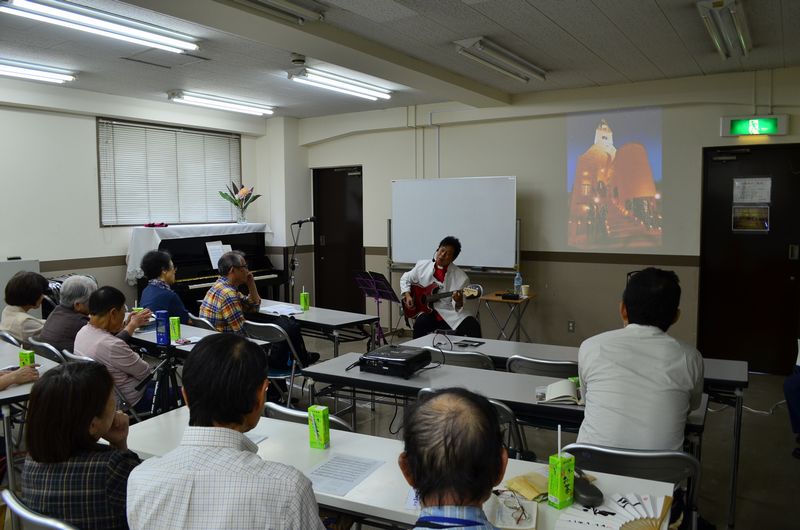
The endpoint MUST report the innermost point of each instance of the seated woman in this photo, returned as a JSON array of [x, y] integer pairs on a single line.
[[158, 295], [24, 291], [97, 341], [72, 313], [67, 474]]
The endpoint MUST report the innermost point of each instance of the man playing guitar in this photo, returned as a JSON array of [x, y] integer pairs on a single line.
[[448, 313]]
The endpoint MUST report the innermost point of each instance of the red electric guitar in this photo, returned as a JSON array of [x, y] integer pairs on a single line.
[[424, 297]]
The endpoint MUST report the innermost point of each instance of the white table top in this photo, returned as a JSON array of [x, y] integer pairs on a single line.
[[325, 318], [9, 355], [383, 493], [518, 391], [718, 372], [149, 336]]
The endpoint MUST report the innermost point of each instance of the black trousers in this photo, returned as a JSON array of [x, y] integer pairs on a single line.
[[427, 323]]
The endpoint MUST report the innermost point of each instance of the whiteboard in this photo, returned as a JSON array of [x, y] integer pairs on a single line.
[[480, 211]]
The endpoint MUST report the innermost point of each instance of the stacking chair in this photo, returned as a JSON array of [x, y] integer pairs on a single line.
[[665, 466], [279, 412], [123, 403], [526, 365], [200, 322], [467, 359], [514, 439], [9, 338], [30, 518], [47, 350], [273, 333]]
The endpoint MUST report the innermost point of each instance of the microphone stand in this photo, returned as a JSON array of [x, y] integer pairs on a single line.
[[293, 260]]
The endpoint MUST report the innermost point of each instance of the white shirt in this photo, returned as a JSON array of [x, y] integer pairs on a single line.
[[454, 279], [639, 385], [215, 479], [19, 323]]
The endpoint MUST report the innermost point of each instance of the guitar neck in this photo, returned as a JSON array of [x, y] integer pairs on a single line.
[[439, 296]]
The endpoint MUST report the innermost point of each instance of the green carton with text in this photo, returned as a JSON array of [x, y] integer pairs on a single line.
[[319, 427]]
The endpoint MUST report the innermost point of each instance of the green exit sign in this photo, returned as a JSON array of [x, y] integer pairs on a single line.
[[754, 125]]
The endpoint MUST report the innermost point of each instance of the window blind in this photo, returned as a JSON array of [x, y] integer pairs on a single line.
[[153, 173]]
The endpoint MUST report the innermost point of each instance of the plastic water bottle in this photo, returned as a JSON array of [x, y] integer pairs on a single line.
[[518, 283]]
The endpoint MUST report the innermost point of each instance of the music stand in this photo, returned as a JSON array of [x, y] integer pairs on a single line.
[[376, 286]]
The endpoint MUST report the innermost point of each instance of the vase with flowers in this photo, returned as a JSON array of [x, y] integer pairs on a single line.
[[241, 198]]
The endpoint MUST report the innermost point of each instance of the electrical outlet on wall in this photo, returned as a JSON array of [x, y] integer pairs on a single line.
[[570, 326]]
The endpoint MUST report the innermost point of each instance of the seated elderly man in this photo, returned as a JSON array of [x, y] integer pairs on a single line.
[[72, 313], [453, 457], [215, 478]]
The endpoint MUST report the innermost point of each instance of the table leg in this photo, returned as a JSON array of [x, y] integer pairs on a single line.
[[336, 343], [737, 433], [12, 481], [496, 321], [372, 336], [520, 309], [353, 412]]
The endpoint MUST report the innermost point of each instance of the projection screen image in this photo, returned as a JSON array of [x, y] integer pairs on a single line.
[[614, 180]]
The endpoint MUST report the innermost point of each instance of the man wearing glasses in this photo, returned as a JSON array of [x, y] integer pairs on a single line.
[[639, 384], [224, 306]]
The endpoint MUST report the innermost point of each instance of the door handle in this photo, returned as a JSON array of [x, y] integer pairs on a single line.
[[321, 240], [794, 252]]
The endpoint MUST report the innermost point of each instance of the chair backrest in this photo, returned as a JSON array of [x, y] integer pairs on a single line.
[[271, 333], [504, 415], [665, 466], [69, 356], [47, 350], [30, 518], [527, 365], [467, 359], [9, 338], [280, 412], [200, 322]]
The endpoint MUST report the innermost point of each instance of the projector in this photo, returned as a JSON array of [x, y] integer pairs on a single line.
[[398, 361]]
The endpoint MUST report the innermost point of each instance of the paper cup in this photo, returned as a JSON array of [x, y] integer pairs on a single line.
[[525, 290]]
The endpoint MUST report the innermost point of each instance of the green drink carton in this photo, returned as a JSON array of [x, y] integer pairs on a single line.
[[26, 357], [174, 328], [319, 428], [305, 301], [561, 479]]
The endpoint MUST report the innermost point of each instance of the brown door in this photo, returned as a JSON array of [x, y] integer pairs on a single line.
[[338, 238], [749, 268]]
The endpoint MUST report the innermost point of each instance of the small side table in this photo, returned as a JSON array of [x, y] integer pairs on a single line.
[[516, 308]]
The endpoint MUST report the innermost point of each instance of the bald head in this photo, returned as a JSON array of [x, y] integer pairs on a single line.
[[453, 448]]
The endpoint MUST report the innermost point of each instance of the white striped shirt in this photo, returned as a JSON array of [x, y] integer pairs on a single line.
[[215, 479]]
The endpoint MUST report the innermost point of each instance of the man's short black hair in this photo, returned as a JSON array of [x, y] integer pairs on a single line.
[[154, 263], [61, 408], [25, 288], [453, 446], [652, 297], [451, 241], [221, 377], [229, 260], [105, 299]]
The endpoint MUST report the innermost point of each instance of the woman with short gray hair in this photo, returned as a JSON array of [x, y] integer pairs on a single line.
[[70, 315]]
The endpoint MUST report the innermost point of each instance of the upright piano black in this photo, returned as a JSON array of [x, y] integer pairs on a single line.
[[195, 274]]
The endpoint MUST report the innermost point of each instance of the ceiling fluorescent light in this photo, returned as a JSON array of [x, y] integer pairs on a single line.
[[284, 10], [35, 72], [337, 83], [726, 24], [494, 56], [98, 22], [219, 103]]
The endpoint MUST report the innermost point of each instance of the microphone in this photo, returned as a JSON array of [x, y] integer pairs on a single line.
[[311, 219]]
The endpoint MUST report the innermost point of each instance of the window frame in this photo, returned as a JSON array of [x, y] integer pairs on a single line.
[[101, 121]]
